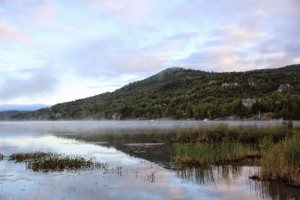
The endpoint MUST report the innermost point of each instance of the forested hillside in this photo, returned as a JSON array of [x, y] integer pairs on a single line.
[[179, 93], [7, 115]]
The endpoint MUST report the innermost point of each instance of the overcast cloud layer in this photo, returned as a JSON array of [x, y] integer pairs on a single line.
[[60, 50]]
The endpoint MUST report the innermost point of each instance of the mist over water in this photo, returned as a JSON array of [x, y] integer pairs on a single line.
[[74, 127]]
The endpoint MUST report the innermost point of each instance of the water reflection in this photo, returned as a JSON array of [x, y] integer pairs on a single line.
[[139, 166], [229, 176], [274, 190], [212, 176]]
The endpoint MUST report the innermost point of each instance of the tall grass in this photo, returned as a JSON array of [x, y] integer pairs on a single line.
[[266, 143], [224, 144], [279, 148], [233, 134], [282, 161], [204, 154]]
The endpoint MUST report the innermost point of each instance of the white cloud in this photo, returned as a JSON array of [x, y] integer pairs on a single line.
[[93, 45], [29, 84], [9, 34]]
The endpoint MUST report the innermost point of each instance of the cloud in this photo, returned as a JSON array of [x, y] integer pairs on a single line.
[[257, 34], [112, 57], [30, 15], [131, 11], [9, 34], [28, 83], [211, 59], [104, 41], [144, 61], [234, 36]]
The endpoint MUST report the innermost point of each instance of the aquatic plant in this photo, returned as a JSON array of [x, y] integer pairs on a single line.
[[203, 154], [278, 147], [25, 157], [1, 156], [282, 162], [233, 134], [41, 161], [266, 143]]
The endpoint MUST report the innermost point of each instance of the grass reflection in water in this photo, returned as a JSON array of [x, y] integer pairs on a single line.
[[278, 148]]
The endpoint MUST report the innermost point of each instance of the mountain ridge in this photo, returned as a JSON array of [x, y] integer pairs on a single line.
[[180, 93]]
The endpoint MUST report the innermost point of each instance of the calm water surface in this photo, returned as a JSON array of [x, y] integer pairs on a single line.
[[139, 164]]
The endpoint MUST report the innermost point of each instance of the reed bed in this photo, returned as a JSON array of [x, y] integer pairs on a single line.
[[224, 144], [203, 154], [277, 147], [232, 134], [282, 162], [45, 162]]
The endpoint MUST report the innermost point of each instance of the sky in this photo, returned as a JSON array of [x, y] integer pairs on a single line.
[[54, 51]]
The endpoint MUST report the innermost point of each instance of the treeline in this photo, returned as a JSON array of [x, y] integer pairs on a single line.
[[190, 94], [7, 115]]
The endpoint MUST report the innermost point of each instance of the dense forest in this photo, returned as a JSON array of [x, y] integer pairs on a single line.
[[7, 115], [178, 93]]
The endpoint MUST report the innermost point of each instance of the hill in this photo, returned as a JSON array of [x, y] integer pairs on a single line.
[[7, 115], [179, 93]]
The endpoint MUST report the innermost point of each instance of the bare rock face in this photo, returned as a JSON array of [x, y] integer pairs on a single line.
[[284, 87]]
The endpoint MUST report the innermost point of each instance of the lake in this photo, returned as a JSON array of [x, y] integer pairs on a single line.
[[138, 159]]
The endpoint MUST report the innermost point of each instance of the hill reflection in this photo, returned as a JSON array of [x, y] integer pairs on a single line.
[[155, 146]]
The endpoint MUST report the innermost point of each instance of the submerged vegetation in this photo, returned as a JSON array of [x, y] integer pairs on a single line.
[[45, 162], [278, 149]]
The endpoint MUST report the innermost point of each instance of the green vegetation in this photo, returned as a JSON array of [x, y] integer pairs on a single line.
[[278, 149], [210, 154], [223, 133], [7, 115], [40, 161], [282, 162], [24, 157], [178, 93]]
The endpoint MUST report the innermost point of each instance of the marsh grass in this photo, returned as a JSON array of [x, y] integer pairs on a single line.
[[266, 143], [282, 162], [203, 154], [1, 156], [232, 134], [224, 144], [278, 148], [26, 157], [45, 162]]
